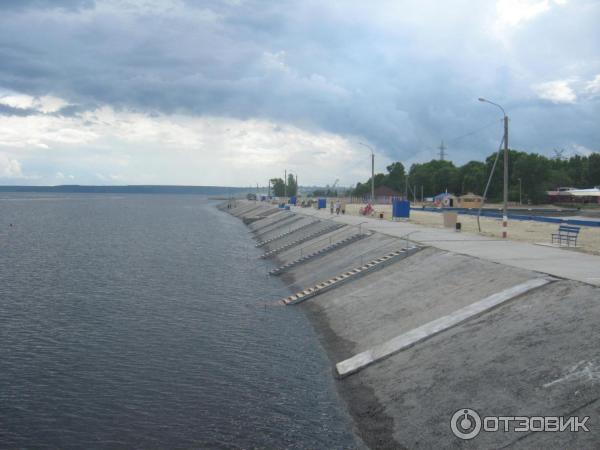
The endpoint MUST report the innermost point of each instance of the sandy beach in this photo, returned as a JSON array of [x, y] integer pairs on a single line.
[[518, 230]]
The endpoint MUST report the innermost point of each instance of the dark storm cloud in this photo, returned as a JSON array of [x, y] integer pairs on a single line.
[[404, 76]]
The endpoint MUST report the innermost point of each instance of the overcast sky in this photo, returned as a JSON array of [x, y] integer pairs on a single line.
[[234, 92]]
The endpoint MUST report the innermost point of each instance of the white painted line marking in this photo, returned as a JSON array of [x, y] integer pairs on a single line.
[[410, 338]]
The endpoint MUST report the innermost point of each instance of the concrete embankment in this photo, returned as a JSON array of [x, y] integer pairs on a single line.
[[417, 337]]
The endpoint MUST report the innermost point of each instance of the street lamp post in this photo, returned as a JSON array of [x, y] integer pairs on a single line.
[[505, 209], [372, 171]]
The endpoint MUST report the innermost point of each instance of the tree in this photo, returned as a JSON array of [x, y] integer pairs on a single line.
[[278, 187], [537, 174], [435, 176], [292, 188], [472, 177], [593, 176], [363, 189], [576, 169], [395, 178]]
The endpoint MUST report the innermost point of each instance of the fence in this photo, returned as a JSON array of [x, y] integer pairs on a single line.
[[379, 200]]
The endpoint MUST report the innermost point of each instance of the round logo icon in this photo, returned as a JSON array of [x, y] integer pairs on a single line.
[[465, 423]]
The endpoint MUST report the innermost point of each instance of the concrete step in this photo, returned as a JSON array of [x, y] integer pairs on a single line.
[[259, 215], [288, 221], [280, 219], [322, 252], [308, 237], [371, 266], [246, 210], [287, 233]]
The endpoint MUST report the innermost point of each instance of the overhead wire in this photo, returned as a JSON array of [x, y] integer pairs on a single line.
[[471, 133]]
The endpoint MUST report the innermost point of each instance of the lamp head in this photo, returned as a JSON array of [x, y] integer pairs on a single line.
[[481, 99], [368, 146]]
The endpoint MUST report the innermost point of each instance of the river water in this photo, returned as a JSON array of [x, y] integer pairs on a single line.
[[146, 321]]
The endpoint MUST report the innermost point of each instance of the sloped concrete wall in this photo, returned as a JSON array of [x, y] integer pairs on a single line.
[[269, 220], [315, 244], [537, 354], [341, 260], [410, 293], [305, 231], [280, 228]]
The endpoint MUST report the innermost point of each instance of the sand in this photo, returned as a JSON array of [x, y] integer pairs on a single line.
[[518, 230]]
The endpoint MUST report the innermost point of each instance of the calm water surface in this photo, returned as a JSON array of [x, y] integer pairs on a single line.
[[139, 321]]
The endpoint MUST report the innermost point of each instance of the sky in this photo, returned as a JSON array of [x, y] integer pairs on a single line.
[[234, 92]]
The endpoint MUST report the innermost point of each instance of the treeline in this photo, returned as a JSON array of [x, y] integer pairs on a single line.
[[535, 173], [279, 188]]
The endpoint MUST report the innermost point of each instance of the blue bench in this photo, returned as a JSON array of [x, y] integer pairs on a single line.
[[566, 233]]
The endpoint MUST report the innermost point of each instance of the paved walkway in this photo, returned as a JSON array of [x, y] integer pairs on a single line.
[[554, 261]]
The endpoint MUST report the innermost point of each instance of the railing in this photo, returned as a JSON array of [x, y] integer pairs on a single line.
[[379, 200]]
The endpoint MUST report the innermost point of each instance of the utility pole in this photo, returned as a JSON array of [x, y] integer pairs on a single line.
[[269, 187], [285, 183], [372, 177], [505, 212], [505, 196], [421, 193], [296, 183], [442, 147], [406, 186], [372, 171]]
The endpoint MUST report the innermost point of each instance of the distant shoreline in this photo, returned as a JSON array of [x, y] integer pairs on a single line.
[[130, 189]]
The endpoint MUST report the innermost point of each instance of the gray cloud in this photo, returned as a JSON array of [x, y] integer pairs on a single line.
[[402, 76], [46, 4], [6, 110]]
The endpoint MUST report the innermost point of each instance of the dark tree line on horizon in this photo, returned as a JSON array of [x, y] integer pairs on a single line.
[[538, 174]]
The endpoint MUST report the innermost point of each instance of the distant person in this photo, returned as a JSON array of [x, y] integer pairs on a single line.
[[337, 208], [331, 207]]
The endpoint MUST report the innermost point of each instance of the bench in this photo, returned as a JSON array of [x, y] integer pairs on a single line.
[[566, 233]]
